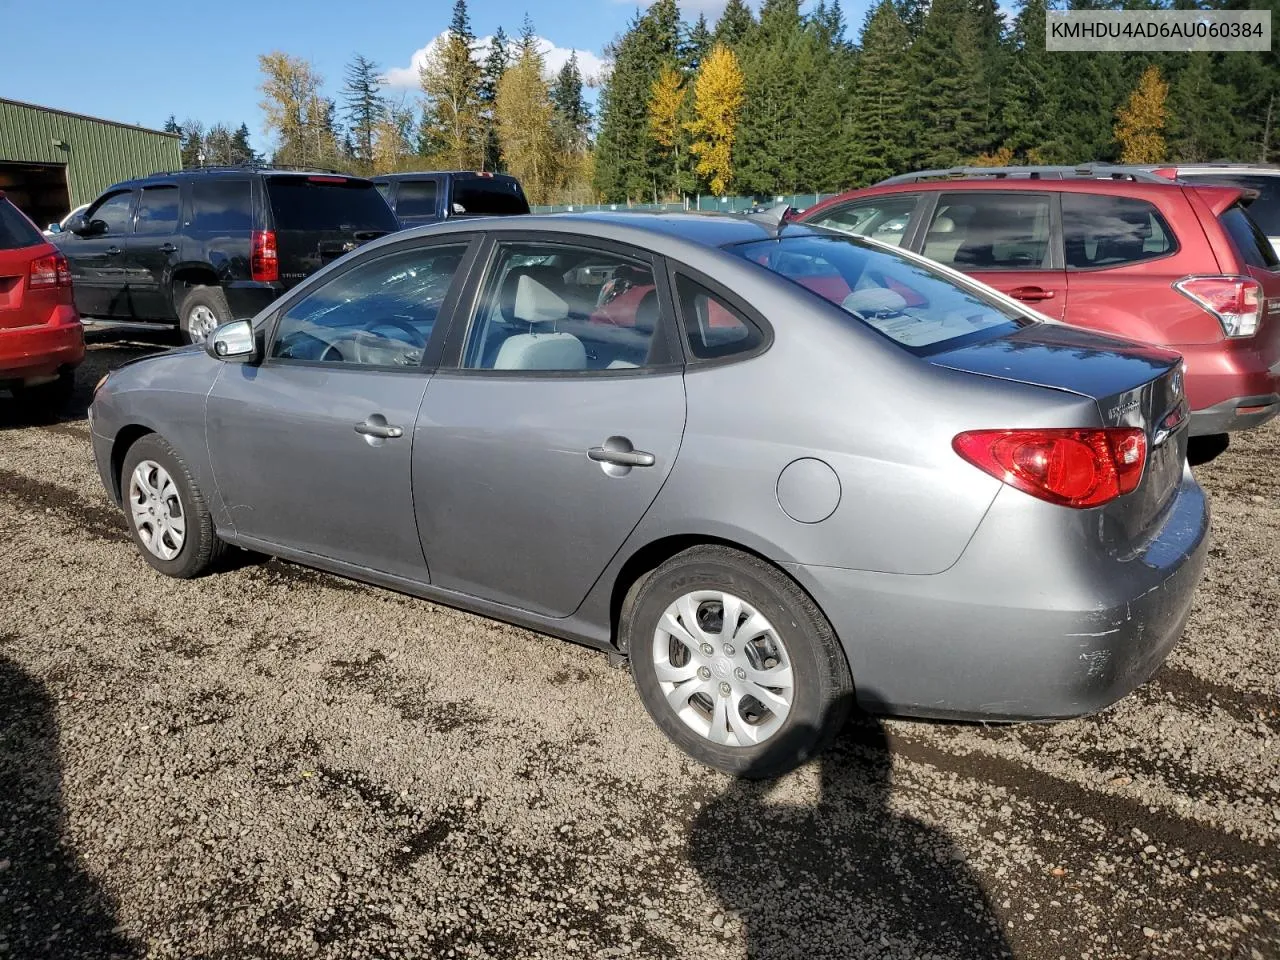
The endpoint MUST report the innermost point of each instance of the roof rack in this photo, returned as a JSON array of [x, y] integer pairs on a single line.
[[1083, 172], [240, 167]]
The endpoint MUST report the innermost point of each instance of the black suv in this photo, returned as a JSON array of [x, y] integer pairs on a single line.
[[208, 245], [419, 198]]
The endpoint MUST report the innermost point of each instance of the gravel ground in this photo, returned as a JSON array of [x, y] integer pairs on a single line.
[[273, 762]]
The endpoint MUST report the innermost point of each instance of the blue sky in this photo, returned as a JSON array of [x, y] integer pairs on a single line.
[[138, 63]]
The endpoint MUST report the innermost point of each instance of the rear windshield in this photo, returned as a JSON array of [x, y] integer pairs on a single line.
[[15, 229], [488, 197], [1265, 211], [314, 203], [1249, 239], [905, 301]]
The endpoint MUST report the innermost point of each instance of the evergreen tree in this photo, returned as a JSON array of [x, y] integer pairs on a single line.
[[451, 82], [949, 75], [171, 125], [912, 13], [191, 145], [572, 116], [363, 105], [735, 24], [495, 65], [885, 123], [460, 24], [241, 148], [1034, 92], [526, 122], [695, 46], [1203, 113]]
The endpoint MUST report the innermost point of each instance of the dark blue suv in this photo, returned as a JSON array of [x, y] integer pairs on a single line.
[[427, 197]]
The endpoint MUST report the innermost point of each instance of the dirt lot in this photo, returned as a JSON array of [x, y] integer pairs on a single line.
[[277, 763]]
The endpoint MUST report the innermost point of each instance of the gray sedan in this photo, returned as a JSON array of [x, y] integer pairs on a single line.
[[780, 469]]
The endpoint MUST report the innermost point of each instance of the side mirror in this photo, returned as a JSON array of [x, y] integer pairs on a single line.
[[233, 342], [53, 228]]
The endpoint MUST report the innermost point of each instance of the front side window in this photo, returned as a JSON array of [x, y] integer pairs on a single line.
[[557, 307], [417, 198], [157, 212], [114, 212], [880, 218], [905, 301], [222, 206], [380, 313], [1111, 231], [972, 232]]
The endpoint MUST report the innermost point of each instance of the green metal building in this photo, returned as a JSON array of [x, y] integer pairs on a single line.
[[52, 161]]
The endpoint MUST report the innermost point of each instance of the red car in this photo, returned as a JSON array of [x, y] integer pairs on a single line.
[[1126, 252], [41, 339]]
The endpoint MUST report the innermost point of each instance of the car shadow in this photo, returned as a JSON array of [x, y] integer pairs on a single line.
[[50, 907], [850, 876]]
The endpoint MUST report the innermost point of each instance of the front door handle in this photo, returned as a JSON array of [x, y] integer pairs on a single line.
[[378, 428], [112, 251], [168, 248], [622, 458], [1031, 294]]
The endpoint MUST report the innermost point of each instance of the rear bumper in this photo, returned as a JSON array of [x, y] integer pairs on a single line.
[[248, 298], [1238, 413], [1222, 377], [37, 352], [1009, 635]]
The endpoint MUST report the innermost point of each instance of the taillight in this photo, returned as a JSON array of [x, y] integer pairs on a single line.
[[1235, 301], [50, 271], [264, 264], [1077, 468], [327, 179]]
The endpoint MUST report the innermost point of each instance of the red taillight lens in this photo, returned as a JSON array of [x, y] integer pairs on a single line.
[[1072, 468], [44, 271], [327, 179], [64, 270], [1235, 301], [264, 264]]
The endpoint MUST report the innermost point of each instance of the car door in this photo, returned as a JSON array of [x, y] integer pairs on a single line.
[[96, 259], [151, 250], [537, 454], [311, 448], [1005, 240]]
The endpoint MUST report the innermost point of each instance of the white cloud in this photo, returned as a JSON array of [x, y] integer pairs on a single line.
[[591, 65]]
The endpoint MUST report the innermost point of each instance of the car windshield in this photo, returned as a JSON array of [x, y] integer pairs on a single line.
[[902, 299], [328, 203]]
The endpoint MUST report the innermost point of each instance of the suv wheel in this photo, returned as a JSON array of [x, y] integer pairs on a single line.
[[203, 309], [735, 663]]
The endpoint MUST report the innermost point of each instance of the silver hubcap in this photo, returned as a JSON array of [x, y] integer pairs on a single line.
[[200, 323], [157, 511], [723, 668]]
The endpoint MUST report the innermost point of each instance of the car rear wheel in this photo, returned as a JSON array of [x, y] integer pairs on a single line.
[[203, 309], [165, 510], [735, 663]]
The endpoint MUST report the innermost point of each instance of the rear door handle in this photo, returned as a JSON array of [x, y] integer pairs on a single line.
[[378, 428], [168, 248], [622, 458], [1031, 294], [112, 251]]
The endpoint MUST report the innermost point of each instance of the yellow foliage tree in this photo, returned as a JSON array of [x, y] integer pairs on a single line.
[[718, 97], [295, 112], [524, 115], [1000, 158], [1140, 122], [450, 80], [667, 97]]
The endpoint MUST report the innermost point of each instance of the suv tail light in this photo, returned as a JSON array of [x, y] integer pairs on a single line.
[[264, 264], [1072, 468], [1235, 301], [49, 271]]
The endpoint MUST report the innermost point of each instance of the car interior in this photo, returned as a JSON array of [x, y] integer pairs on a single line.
[[990, 236]]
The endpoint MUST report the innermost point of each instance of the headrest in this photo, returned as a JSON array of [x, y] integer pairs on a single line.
[[874, 300], [532, 295], [943, 225]]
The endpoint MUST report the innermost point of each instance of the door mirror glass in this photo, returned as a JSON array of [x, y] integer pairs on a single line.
[[53, 228], [233, 342]]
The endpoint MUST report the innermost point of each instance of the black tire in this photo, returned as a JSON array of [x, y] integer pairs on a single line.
[[49, 400], [822, 694], [201, 546], [198, 299]]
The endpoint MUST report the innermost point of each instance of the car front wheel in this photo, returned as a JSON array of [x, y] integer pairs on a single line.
[[735, 662], [166, 512]]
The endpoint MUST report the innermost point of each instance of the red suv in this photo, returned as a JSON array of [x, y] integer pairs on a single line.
[[41, 339], [1127, 252]]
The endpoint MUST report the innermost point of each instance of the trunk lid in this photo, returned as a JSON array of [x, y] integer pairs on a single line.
[[1133, 385], [318, 218]]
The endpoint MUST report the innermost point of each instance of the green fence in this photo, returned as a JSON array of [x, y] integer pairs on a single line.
[[701, 204]]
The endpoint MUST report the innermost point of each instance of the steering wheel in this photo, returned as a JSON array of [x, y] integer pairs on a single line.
[[359, 340]]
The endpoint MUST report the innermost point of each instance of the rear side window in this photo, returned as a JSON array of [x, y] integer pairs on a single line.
[[881, 218], [157, 212], [1250, 242], [328, 204], [417, 198], [990, 231], [221, 206], [905, 301], [485, 196], [1111, 231], [713, 328], [16, 230]]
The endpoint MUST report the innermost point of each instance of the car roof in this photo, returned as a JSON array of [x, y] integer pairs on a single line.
[[171, 176], [409, 175]]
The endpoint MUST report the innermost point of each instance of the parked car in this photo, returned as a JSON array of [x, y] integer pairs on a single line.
[[65, 222], [1263, 178], [1116, 250], [800, 468], [41, 340], [203, 246], [428, 197]]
